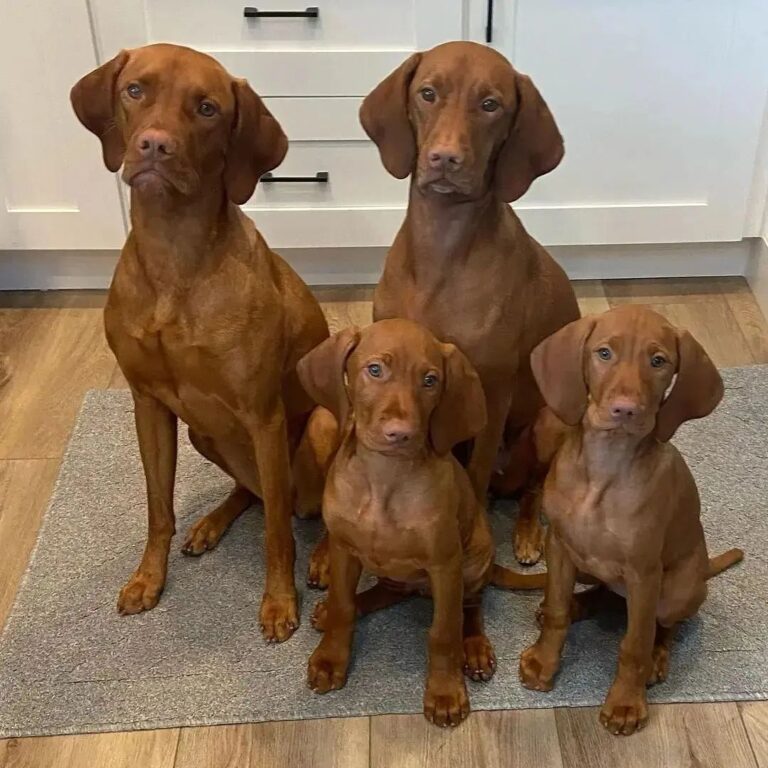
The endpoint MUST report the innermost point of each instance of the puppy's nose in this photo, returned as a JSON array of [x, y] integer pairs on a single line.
[[446, 159], [624, 409], [397, 432], [155, 144]]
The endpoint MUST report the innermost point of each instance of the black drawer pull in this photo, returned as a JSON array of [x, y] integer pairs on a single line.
[[313, 12], [489, 23], [321, 177]]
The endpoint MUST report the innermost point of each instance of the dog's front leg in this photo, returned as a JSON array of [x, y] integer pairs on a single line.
[[445, 699], [539, 663], [488, 442], [626, 710], [279, 606], [156, 430]]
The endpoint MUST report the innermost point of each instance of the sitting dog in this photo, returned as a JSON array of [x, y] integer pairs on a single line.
[[399, 504], [622, 504], [474, 134], [206, 322]]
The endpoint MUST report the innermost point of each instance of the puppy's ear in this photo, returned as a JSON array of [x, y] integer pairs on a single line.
[[461, 413], [93, 99], [257, 144], [384, 117], [558, 367], [321, 372], [696, 392], [533, 146]]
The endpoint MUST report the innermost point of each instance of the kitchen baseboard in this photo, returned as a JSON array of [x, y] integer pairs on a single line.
[[47, 270]]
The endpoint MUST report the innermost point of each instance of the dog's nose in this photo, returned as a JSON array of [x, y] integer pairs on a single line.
[[446, 159], [397, 432], [153, 143], [623, 409]]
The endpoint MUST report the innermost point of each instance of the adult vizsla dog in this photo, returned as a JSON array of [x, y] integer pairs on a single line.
[[206, 322], [473, 134], [399, 504], [622, 504]]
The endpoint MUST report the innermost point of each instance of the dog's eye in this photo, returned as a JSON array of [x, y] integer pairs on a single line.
[[490, 105], [657, 361], [207, 109], [604, 353], [134, 91], [374, 369], [428, 94], [430, 380]]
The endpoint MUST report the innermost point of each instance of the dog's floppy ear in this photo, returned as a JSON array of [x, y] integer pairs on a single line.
[[93, 99], [696, 391], [321, 372], [257, 144], [384, 117], [558, 367], [533, 146], [461, 413]]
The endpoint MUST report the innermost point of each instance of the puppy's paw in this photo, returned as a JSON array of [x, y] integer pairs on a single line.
[[319, 617], [141, 593], [660, 665], [538, 668], [327, 669], [625, 711], [279, 617], [529, 542], [204, 535], [319, 571], [479, 658], [445, 700]]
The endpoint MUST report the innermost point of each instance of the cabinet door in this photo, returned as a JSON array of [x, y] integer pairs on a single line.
[[54, 191], [660, 103]]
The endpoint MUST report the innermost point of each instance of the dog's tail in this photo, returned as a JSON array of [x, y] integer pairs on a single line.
[[504, 578], [723, 562]]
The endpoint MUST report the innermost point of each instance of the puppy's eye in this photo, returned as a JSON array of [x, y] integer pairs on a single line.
[[207, 109], [657, 361], [604, 353], [428, 94], [374, 369], [490, 105], [134, 91], [430, 380]]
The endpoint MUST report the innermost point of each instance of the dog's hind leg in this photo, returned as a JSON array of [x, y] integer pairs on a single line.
[[479, 657]]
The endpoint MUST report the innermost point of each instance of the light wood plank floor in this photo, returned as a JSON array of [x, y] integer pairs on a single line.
[[54, 348]]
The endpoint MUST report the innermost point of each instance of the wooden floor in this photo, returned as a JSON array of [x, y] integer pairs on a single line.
[[54, 347]]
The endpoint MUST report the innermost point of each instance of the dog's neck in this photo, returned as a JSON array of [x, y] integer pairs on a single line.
[[174, 235], [441, 230]]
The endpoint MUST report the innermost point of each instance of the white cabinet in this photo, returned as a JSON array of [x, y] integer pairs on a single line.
[[660, 103], [313, 71], [54, 191]]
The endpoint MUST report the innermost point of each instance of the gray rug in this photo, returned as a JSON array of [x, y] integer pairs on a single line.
[[69, 663]]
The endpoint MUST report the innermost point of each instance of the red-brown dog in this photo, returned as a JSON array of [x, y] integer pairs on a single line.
[[398, 503], [623, 507], [206, 322]]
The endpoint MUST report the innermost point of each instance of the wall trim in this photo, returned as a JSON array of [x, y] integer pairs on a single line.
[[46, 270], [757, 272]]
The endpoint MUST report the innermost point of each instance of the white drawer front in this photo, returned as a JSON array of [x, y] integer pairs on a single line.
[[222, 24]]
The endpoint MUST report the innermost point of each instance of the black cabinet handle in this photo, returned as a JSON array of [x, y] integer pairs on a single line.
[[489, 23], [313, 12], [321, 177]]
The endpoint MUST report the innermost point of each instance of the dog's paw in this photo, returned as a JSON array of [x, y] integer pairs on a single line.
[[319, 618], [529, 542], [203, 536], [279, 617], [479, 658], [319, 571], [327, 670], [660, 665], [446, 702], [141, 593], [538, 669], [624, 711]]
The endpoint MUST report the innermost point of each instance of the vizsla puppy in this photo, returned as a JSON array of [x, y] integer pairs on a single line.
[[206, 322], [473, 134], [622, 505], [398, 503]]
